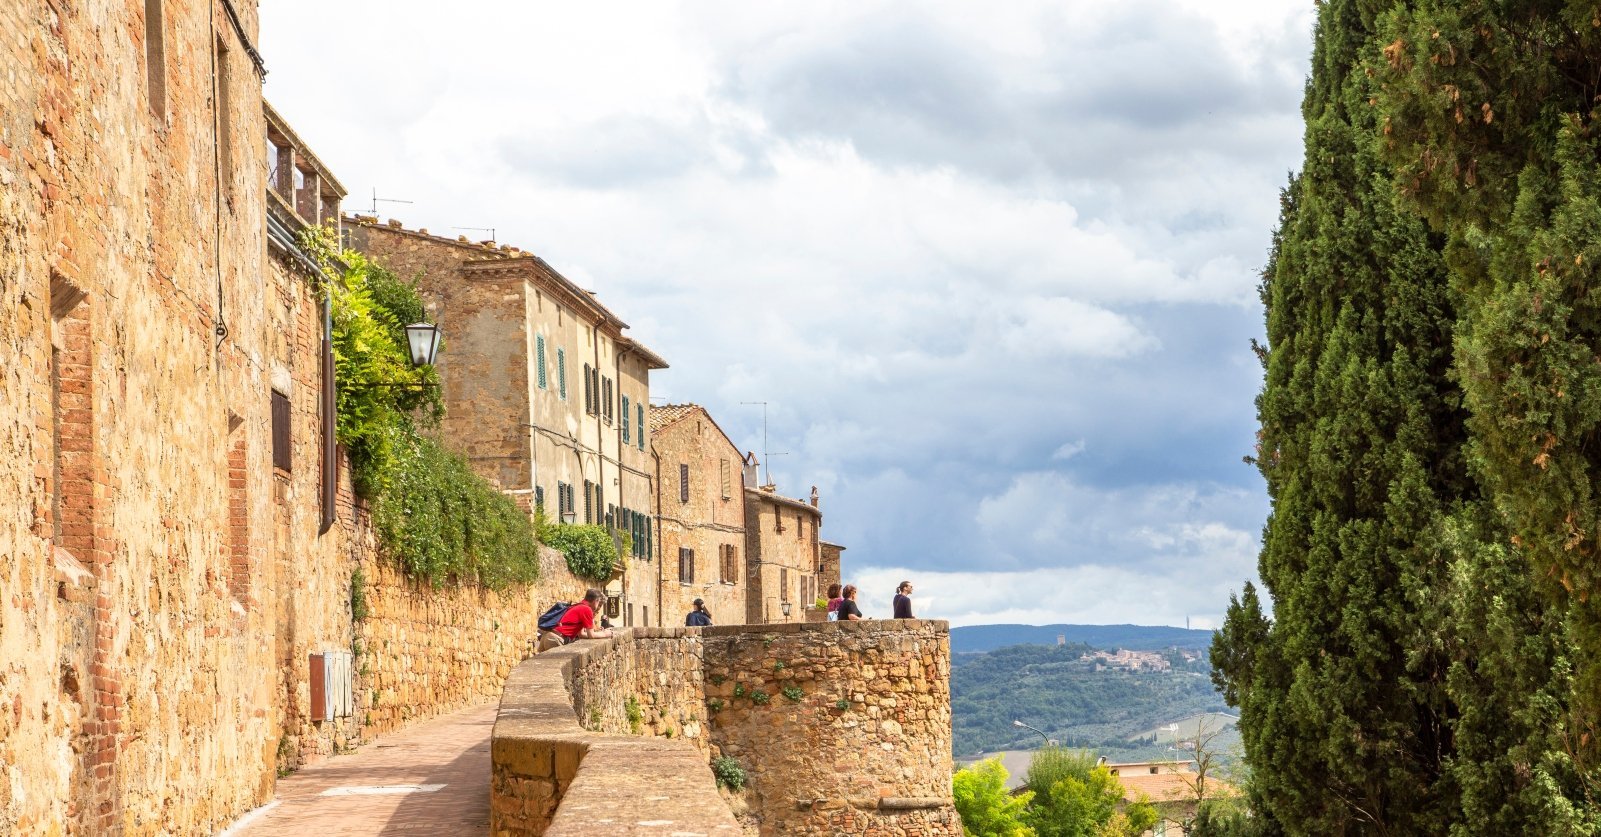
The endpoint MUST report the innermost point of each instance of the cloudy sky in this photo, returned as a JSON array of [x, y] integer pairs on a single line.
[[992, 266]]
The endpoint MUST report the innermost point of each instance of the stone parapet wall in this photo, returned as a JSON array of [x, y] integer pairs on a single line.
[[426, 650], [842, 727], [860, 743], [550, 775]]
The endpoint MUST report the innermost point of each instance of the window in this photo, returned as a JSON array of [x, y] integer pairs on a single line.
[[561, 372], [539, 497], [589, 500], [726, 473], [281, 456], [686, 566], [156, 58], [639, 411], [729, 564], [800, 527], [625, 419], [539, 358], [589, 391], [606, 394], [683, 483], [564, 499], [224, 81], [783, 584]]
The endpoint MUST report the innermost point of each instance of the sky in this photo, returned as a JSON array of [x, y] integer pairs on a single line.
[[993, 267]]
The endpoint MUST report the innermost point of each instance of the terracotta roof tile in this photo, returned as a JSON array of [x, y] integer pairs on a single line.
[[661, 416]]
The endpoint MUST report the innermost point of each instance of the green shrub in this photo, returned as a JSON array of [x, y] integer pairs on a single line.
[[794, 693], [591, 552], [728, 772], [760, 697], [636, 715]]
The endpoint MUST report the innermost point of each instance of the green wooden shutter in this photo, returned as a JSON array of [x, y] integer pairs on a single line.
[[561, 372], [539, 357], [625, 419], [640, 407]]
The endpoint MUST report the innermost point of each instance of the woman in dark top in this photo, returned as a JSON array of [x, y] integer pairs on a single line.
[[847, 607], [700, 617]]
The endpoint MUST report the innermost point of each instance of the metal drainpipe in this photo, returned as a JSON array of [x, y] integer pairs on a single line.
[[661, 581]]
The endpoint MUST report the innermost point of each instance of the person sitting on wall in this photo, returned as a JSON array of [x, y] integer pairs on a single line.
[[903, 601], [577, 623], [834, 598], [700, 617], [848, 611]]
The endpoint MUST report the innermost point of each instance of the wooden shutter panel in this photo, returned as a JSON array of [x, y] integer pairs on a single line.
[[282, 451], [539, 357]]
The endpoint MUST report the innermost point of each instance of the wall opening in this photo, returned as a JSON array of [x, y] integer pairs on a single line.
[[156, 59]]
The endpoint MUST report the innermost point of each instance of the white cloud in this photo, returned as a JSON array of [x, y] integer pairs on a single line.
[[938, 238]]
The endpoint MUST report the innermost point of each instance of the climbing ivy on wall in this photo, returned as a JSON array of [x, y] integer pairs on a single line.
[[432, 514]]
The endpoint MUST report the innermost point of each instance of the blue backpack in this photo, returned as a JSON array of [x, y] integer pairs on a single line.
[[552, 617]]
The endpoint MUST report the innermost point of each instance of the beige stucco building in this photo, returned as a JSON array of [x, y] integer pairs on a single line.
[[544, 392], [784, 554], [701, 515]]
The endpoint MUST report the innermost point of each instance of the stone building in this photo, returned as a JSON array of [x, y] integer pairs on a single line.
[[701, 515], [544, 392], [783, 554], [141, 595], [829, 568]]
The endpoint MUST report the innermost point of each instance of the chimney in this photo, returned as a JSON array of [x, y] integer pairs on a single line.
[[814, 496]]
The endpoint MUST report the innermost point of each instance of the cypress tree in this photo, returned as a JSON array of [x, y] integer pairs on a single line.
[[1342, 694], [1491, 117]]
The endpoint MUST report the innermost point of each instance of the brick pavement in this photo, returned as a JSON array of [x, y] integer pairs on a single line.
[[452, 750]]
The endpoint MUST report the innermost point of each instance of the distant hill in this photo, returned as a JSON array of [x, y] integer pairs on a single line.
[[1065, 692], [977, 638]]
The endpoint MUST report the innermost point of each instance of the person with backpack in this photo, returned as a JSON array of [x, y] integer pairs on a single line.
[[700, 617], [576, 622]]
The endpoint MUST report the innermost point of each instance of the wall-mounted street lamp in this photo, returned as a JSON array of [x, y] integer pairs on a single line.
[[785, 609], [1049, 741], [423, 340]]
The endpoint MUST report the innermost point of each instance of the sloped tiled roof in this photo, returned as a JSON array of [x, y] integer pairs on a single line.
[[668, 413]]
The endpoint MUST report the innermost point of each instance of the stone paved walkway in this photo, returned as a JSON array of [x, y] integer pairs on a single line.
[[451, 750]]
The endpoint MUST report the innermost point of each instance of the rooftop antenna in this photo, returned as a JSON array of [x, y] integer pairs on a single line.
[[767, 471], [377, 200], [490, 230]]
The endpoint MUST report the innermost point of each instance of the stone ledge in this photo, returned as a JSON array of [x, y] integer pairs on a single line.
[[551, 776]]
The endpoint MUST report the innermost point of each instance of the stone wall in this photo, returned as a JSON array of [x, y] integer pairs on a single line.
[[564, 761], [135, 675], [843, 728]]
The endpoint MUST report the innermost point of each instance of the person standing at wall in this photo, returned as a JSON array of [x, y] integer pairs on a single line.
[[848, 611], [577, 623], [834, 598], [903, 601], [700, 617]]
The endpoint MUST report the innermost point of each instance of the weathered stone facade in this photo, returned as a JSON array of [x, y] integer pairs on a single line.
[[701, 515], [179, 539], [784, 555], [544, 392], [842, 729], [135, 655]]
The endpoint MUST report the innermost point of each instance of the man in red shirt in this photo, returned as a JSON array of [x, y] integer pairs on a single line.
[[577, 623]]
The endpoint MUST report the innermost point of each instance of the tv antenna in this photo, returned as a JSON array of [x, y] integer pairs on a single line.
[[377, 200], [767, 471], [490, 230]]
